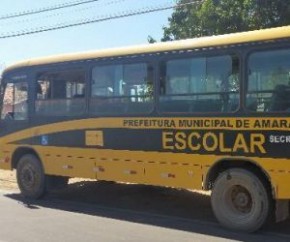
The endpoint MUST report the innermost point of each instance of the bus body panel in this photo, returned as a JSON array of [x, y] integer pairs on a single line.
[[178, 157]]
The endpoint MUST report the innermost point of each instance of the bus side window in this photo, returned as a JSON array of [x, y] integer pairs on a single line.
[[15, 100], [60, 93], [268, 81], [203, 84], [121, 89]]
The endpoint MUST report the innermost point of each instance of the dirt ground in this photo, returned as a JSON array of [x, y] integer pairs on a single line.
[[8, 180]]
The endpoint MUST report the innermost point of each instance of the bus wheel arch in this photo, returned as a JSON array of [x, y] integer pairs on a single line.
[[225, 164], [21, 151], [51, 182], [30, 173]]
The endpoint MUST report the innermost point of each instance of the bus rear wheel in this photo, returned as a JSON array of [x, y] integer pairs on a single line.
[[30, 177], [240, 200]]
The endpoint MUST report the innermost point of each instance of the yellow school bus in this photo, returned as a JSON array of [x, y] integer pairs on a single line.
[[210, 113]]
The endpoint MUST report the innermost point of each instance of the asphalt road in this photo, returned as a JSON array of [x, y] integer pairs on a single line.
[[55, 219]]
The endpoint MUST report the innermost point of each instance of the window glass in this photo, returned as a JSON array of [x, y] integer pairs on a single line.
[[268, 81], [15, 101], [60, 93], [207, 84], [119, 89]]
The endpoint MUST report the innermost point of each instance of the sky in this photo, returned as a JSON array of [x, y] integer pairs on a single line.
[[108, 34]]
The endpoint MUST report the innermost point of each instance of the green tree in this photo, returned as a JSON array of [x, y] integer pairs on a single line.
[[212, 17]]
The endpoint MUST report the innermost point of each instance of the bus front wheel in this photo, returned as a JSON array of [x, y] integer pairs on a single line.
[[240, 200], [30, 177]]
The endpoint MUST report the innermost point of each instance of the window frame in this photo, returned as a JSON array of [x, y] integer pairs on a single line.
[[209, 52], [281, 45], [149, 60], [59, 67], [21, 77]]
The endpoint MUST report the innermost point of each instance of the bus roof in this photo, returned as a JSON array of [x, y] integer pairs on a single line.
[[202, 42]]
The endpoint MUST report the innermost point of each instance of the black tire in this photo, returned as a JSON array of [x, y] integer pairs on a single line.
[[31, 177], [240, 200]]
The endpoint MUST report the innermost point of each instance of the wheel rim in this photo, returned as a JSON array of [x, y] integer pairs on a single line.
[[239, 200], [28, 177]]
